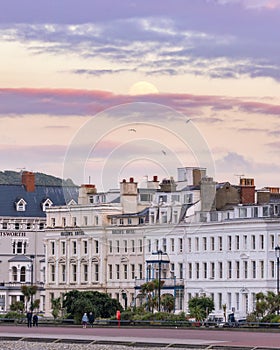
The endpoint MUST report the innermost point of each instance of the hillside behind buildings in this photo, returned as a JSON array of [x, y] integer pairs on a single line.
[[9, 177]]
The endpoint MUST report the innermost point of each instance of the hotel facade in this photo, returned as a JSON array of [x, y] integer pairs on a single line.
[[218, 240]]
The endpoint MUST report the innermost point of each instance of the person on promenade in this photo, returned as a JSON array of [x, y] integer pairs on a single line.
[[85, 320], [35, 320], [29, 318], [91, 318]]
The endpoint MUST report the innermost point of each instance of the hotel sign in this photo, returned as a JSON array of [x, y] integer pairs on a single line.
[[12, 234], [71, 233]]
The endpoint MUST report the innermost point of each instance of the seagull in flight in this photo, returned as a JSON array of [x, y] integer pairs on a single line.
[[132, 129], [163, 152]]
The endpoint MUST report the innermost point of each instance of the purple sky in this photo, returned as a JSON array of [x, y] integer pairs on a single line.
[[216, 62]]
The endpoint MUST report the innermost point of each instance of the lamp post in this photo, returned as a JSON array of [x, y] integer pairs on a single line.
[[277, 254], [31, 279], [159, 257]]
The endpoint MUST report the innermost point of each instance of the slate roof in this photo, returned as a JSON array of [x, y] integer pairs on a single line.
[[19, 258], [10, 194]]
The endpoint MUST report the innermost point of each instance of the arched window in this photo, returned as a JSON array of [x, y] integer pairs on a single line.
[[22, 274], [14, 273]]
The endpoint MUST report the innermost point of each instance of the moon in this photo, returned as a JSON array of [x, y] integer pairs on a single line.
[[143, 88]]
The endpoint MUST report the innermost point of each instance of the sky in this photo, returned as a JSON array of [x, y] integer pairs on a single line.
[[98, 91]]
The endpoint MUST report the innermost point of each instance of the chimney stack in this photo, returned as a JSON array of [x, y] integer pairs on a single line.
[[28, 180]]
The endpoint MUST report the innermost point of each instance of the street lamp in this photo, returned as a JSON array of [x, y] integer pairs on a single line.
[[31, 280], [277, 254], [159, 257]]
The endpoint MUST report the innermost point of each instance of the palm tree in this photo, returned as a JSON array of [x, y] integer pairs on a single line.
[[28, 292], [168, 302]]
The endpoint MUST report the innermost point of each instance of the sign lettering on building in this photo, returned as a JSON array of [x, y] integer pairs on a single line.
[[12, 234], [122, 232], [72, 233]]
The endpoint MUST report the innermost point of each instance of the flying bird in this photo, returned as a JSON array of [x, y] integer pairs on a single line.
[[132, 129], [163, 152]]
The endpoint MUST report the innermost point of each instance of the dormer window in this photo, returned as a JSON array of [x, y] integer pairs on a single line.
[[47, 204], [21, 205]]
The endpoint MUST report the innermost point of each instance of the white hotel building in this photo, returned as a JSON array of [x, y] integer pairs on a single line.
[[219, 240]]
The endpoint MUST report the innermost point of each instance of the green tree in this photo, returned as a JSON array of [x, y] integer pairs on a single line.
[[56, 307], [28, 292], [77, 303], [168, 302], [17, 306], [200, 306]]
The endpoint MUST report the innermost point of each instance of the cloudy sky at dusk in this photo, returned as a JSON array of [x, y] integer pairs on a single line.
[[97, 91]]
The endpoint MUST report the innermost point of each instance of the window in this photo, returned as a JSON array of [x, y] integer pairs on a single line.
[[204, 242], [110, 247], [63, 273], [181, 274], [220, 270], [172, 245], [140, 245], [96, 246], [85, 220], [245, 269], [129, 221], [229, 242], [53, 222], [47, 204], [272, 269], [220, 301], [229, 274], [242, 212], [117, 271], [190, 270], [74, 221], [85, 247], [189, 245], [118, 246], [16, 226], [20, 205], [220, 243], [197, 270], [261, 269], [125, 246], [254, 273], [74, 273], [245, 242], [5, 225], [74, 247], [261, 242], [110, 269], [237, 264], [14, 274], [205, 270], [164, 245], [237, 242], [63, 222], [52, 271], [196, 244], [253, 242], [163, 217], [132, 267], [212, 243], [96, 219], [96, 272], [180, 245], [41, 226], [149, 246], [85, 272], [265, 211], [212, 270], [133, 246], [125, 271], [22, 274], [63, 247], [52, 248], [140, 267], [272, 241]]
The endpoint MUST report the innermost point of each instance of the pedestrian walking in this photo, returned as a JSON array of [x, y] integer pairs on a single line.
[[35, 320], [29, 318], [85, 320], [91, 319]]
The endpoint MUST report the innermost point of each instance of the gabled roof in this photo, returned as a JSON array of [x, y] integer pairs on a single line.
[[57, 194]]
